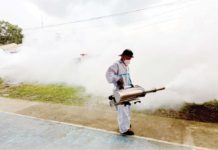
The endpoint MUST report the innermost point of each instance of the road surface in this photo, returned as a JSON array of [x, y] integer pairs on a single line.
[[19, 132]]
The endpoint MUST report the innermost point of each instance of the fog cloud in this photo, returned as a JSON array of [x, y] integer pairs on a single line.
[[174, 45]]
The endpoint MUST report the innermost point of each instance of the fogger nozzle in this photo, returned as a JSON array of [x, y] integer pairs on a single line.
[[155, 90]]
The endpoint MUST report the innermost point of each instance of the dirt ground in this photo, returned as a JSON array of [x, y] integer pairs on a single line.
[[104, 117]]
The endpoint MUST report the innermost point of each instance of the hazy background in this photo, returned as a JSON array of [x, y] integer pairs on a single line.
[[174, 43]]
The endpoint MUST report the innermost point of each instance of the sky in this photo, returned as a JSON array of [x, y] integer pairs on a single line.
[[174, 43]]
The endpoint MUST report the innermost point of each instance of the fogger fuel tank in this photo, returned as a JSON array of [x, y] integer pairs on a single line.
[[129, 94]]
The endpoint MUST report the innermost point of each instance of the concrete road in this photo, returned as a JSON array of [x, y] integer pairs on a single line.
[[18, 132]]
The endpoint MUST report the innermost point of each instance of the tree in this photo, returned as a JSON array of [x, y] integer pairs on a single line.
[[10, 33]]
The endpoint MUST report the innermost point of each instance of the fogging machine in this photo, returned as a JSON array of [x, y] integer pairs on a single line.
[[123, 96]]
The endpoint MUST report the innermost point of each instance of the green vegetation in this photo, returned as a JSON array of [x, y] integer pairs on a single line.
[[1, 81], [46, 93], [10, 33]]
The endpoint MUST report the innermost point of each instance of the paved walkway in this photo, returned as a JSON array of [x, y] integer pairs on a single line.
[[20, 132]]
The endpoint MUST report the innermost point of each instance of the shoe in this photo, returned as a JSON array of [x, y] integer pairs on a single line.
[[128, 132]]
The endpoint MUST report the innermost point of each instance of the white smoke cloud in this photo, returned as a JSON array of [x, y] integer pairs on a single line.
[[197, 83], [174, 46]]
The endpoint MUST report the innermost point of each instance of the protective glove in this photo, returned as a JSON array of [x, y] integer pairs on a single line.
[[120, 84], [126, 103]]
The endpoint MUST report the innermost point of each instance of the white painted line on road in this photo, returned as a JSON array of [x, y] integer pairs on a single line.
[[111, 132]]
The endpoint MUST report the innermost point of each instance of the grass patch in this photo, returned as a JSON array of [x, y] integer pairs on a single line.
[[1, 81], [45, 93]]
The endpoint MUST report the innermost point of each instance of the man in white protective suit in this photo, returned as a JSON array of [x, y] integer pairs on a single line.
[[118, 74]]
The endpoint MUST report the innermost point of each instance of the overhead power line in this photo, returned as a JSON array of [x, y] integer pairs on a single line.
[[99, 17]]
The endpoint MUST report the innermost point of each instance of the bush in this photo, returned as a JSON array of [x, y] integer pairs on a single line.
[[206, 112], [10, 33]]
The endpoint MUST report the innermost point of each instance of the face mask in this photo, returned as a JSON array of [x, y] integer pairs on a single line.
[[127, 62]]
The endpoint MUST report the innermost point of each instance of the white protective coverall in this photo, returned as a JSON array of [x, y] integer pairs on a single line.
[[114, 73]]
